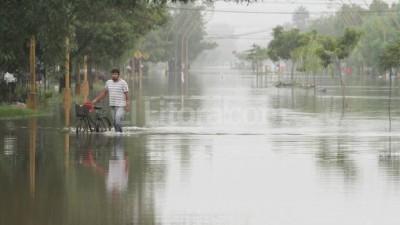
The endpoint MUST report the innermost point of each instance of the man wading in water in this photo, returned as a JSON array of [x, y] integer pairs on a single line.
[[118, 92]]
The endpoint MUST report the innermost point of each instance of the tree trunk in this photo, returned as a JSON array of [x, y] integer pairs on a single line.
[[292, 72], [342, 84]]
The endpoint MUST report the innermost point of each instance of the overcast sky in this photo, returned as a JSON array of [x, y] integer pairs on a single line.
[[273, 12], [259, 18]]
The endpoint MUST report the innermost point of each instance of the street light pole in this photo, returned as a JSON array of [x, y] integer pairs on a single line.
[[177, 39], [85, 83], [175, 22], [184, 51], [32, 70], [67, 89], [193, 24], [187, 41]]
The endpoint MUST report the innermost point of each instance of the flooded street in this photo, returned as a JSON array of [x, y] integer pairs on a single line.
[[222, 147]]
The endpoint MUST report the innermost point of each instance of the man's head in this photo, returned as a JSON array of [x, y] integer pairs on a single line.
[[115, 74]]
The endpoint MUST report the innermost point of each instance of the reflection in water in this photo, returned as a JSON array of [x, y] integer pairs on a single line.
[[10, 139], [335, 161], [103, 185], [390, 167], [223, 151], [10, 144], [117, 176], [32, 155], [67, 109], [115, 172]]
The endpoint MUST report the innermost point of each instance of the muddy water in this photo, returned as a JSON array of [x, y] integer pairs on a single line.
[[223, 147]]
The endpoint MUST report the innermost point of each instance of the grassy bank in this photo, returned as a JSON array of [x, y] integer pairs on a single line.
[[9, 111], [16, 110]]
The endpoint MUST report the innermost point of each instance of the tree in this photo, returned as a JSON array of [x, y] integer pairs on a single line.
[[335, 49], [255, 55], [107, 31], [22, 19], [389, 60], [306, 54], [283, 45], [378, 24]]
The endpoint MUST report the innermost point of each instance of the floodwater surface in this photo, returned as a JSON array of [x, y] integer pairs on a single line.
[[221, 147]]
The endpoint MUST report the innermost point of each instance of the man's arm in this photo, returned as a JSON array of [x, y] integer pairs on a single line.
[[100, 96], [128, 102]]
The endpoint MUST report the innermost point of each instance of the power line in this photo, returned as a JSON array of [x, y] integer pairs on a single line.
[[298, 3], [236, 38], [252, 32], [287, 13], [319, 2]]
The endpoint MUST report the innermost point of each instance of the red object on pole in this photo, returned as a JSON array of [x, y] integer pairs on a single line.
[[348, 70]]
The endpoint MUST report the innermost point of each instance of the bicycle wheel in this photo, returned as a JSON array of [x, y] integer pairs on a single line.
[[100, 127], [86, 125], [83, 125], [79, 126], [90, 124], [107, 123]]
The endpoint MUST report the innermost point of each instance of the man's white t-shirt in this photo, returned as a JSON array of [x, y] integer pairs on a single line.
[[116, 92]]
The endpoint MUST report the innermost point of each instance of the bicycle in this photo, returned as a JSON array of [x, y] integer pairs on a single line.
[[85, 123], [102, 123]]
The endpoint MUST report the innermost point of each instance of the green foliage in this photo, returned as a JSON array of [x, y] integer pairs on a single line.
[[391, 57], [256, 53], [284, 46], [104, 30], [379, 24], [284, 43], [7, 111], [325, 56], [47, 20], [47, 94], [21, 93], [306, 55], [376, 34], [253, 55], [336, 48], [184, 27], [155, 45], [347, 42]]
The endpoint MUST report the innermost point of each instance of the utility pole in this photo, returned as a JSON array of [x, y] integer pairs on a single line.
[[175, 22], [67, 89], [78, 79], [67, 72], [185, 42], [32, 70], [177, 39], [85, 83]]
